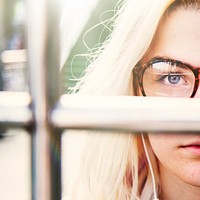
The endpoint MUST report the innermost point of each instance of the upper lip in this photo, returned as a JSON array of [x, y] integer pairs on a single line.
[[193, 143]]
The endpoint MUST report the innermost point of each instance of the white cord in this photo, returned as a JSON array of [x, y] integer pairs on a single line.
[[151, 169]]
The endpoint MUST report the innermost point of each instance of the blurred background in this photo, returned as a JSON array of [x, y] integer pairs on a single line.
[[15, 144], [84, 25], [12, 33], [78, 35]]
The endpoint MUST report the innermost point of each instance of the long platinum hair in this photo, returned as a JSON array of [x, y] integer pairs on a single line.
[[106, 165]]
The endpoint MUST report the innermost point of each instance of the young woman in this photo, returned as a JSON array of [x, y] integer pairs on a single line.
[[154, 50]]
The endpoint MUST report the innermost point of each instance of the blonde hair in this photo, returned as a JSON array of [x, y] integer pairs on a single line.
[[134, 28], [107, 165]]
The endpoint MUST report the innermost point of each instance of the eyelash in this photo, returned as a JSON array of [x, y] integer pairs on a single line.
[[162, 78]]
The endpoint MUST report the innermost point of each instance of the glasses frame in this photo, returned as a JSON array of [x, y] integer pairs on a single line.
[[139, 69]]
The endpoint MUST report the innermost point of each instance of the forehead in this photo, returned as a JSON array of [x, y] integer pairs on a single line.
[[178, 37]]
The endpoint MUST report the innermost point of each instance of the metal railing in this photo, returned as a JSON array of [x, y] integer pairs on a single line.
[[91, 112], [127, 113], [45, 113], [43, 58]]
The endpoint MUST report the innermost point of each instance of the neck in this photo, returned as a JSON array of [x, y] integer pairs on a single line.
[[172, 188]]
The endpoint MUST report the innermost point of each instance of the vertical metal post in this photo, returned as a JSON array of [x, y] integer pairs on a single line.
[[2, 38], [43, 59], [53, 90]]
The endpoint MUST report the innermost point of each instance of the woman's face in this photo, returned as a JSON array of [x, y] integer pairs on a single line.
[[178, 37]]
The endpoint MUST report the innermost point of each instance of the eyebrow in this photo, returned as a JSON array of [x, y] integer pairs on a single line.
[[169, 59]]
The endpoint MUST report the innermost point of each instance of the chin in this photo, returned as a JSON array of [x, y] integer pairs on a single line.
[[192, 176]]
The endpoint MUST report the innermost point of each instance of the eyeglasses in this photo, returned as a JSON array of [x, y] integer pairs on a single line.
[[167, 77]]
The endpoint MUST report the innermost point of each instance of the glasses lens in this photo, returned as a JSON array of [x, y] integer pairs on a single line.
[[169, 80]]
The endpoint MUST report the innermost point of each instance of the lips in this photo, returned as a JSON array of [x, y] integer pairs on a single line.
[[193, 148]]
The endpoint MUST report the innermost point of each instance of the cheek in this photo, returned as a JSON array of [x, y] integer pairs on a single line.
[[163, 147], [172, 160], [161, 144]]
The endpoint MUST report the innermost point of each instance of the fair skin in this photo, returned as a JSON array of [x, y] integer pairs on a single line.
[[178, 37]]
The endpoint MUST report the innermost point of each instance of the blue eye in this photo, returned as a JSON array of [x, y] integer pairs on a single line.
[[173, 79]]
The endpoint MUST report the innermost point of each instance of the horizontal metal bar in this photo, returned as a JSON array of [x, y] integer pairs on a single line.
[[14, 56], [127, 113], [107, 112], [15, 109]]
